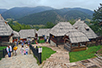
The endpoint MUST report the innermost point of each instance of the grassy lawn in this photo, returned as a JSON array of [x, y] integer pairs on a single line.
[[82, 55], [41, 41], [46, 53], [2, 47]]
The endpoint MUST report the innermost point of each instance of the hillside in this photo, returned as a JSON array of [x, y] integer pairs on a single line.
[[2, 10], [53, 16], [75, 14], [41, 18], [42, 14], [19, 12]]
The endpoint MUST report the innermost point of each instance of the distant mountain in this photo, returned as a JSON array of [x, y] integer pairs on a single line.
[[41, 18], [42, 14], [64, 10], [54, 16], [19, 12], [2, 10]]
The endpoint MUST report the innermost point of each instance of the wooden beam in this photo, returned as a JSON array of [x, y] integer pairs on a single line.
[[78, 45]]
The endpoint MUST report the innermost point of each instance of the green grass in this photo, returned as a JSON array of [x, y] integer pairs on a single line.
[[83, 55], [2, 47], [46, 53], [41, 41]]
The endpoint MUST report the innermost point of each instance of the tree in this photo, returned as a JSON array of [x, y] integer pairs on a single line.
[[97, 18], [72, 21], [17, 26], [49, 25]]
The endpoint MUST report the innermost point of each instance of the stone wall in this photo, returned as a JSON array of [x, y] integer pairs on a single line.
[[52, 43]]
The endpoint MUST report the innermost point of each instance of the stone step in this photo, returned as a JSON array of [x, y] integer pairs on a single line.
[[100, 60], [97, 61]]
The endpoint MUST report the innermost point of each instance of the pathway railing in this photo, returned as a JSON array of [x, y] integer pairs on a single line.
[[35, 52], [3, 53]]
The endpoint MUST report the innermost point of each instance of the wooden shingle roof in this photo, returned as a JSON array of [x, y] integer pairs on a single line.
[[42, 32], [84, 28], [16, 34], [76, 36], [61, 29], [27, 33], [5, 29]]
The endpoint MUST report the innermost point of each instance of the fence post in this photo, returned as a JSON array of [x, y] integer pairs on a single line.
[[3, 53], [39, 52], [40, 58]]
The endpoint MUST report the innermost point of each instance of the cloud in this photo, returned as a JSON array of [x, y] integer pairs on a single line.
[[89, 4]]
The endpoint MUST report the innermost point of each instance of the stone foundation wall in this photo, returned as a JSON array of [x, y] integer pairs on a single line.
[[52, 43]]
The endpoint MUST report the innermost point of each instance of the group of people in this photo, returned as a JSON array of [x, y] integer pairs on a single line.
[[23, 51]]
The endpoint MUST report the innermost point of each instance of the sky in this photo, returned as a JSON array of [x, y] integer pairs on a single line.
[[57, 4]]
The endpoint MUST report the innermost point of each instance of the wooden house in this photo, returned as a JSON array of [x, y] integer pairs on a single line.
[[43, 33], [58, 31], [84, 28], [75, 40], [6, 32], [27, 34], [16, 36]]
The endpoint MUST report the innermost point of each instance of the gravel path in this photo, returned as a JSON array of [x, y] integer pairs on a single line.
[[60, 59], [19, 61]]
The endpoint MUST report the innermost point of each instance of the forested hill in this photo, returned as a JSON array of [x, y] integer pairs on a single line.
[[42, 14], [54, 16], [2, 10], [19, 12]]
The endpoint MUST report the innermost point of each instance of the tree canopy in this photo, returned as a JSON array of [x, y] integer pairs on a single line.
[[17, 26], [97, 18]]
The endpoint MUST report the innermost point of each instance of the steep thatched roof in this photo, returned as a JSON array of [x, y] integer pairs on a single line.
[[27, 33], [42, 32], [76, 36], [5, 29], [61, 29], [84, 28], [16, 34]]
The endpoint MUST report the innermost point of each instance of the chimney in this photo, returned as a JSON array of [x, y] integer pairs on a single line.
[[1, 18], [79, 19]]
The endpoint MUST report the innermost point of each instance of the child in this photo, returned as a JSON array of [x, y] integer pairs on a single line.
[[26, 50], [22, 50]]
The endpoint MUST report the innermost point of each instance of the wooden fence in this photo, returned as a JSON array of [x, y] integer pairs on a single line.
[[35, 52], [4, 52]]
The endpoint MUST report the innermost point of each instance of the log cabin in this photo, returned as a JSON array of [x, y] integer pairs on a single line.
[[42, 33], [75, 40], [6, 32], [16, 36], [27, 34], [57, 33], [84, 28]]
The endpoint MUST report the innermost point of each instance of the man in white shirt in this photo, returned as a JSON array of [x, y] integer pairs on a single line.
[[9, 49]]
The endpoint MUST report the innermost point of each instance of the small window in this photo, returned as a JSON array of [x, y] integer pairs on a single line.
[[76, 27], [61, 28], [87, 28]]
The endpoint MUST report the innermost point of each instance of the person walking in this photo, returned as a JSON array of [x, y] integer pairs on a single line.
[[27, 49], [15, 50], [22, 50], [22, 44], [9, 50]]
